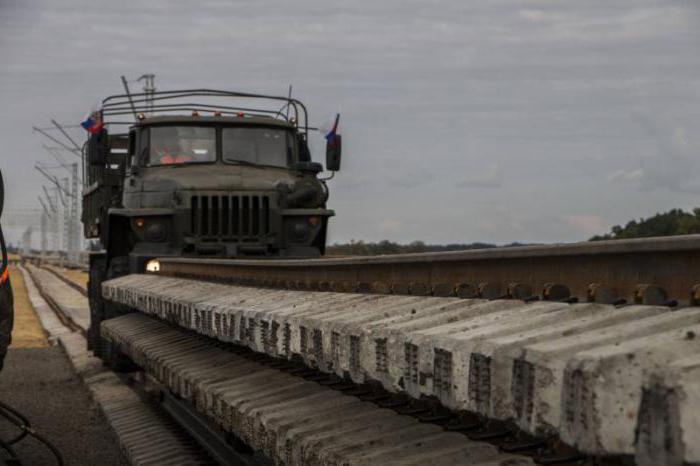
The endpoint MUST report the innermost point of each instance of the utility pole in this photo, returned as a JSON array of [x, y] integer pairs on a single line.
[[61, 189], [52, 212], [73, 150], [44, 238], [66, 220], [149, 88], [74, 243], [45, 217], [27, 241], [55, 221], [74, 230], [68, 209], [75, 145]]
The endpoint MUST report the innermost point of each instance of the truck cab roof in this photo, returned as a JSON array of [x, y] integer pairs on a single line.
[[213, 120], [205, 106]]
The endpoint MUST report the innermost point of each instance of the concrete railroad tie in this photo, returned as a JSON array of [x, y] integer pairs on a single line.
[[291, 420], [592, 373]]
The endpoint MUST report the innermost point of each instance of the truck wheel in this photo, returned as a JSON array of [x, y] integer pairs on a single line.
[[118, 267], [104, 310], [97, 276]]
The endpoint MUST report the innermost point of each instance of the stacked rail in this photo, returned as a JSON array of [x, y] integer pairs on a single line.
[[608, 380], [656, 271], [291, 420]]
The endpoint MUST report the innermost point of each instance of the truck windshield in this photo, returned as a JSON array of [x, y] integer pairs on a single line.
[[260, 146], [174, 145]]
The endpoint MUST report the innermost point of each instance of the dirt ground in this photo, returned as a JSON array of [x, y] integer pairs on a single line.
[[74, 275], [39, 381], [41, 384], [27, 331]]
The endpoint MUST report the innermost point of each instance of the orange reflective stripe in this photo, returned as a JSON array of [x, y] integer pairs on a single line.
[[3, 278]]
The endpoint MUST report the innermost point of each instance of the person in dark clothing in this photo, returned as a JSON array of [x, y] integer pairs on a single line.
[[6, 298]]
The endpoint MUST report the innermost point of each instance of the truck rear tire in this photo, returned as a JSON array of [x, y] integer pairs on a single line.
[[99, 308], [97, 275]]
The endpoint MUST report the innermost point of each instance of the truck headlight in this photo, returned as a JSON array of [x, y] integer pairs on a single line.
[[153, 265]]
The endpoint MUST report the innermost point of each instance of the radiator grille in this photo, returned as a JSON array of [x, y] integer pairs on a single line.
[[231, 218]]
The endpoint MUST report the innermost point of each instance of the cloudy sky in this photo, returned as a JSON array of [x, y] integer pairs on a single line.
[[479, 120]]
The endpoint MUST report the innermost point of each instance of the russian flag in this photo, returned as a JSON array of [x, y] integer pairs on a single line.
[[330, 135], [92, 122]]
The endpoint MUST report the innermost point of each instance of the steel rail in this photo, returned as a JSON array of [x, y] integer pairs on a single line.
[[76, 286], [280, 388], [646, 271], [547, 368], [62, 315]]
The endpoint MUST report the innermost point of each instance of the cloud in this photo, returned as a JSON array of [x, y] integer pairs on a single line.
[[390, 226], [588, 224], [633, 175], [490, 176], [447, 111], [674, 161], [676, 164]]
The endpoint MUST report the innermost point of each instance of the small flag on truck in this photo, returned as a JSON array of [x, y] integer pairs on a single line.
[[92, 122], [330, 135]]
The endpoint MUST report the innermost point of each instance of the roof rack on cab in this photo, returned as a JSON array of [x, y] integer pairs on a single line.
[[204, 101]]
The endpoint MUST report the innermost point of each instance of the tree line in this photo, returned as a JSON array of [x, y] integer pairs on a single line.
[[671, 223], [361, 248]]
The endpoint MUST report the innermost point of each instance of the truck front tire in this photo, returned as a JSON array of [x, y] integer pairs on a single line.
[[99, 308]]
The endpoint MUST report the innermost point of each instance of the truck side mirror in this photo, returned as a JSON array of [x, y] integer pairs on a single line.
[[304, 153], [333, 151]]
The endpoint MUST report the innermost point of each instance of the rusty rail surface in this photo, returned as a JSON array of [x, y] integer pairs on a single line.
[[645, 271]]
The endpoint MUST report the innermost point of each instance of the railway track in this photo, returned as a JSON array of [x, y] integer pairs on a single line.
[[172, 446], [124, 401], [575, 354], [291, 415], [599, 366]]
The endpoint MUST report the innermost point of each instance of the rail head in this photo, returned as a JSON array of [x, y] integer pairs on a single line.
[[672, 244]]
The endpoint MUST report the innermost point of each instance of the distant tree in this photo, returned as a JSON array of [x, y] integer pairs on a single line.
[[360, 248], [671, 223]]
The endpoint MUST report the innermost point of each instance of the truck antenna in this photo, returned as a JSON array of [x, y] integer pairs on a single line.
[[128, 94]]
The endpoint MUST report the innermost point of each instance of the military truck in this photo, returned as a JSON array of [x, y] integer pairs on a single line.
[[187, 177]]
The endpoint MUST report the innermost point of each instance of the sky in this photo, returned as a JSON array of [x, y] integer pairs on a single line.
[[462, 121]]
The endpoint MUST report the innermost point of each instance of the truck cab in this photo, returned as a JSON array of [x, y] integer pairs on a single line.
[[205, 182]]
